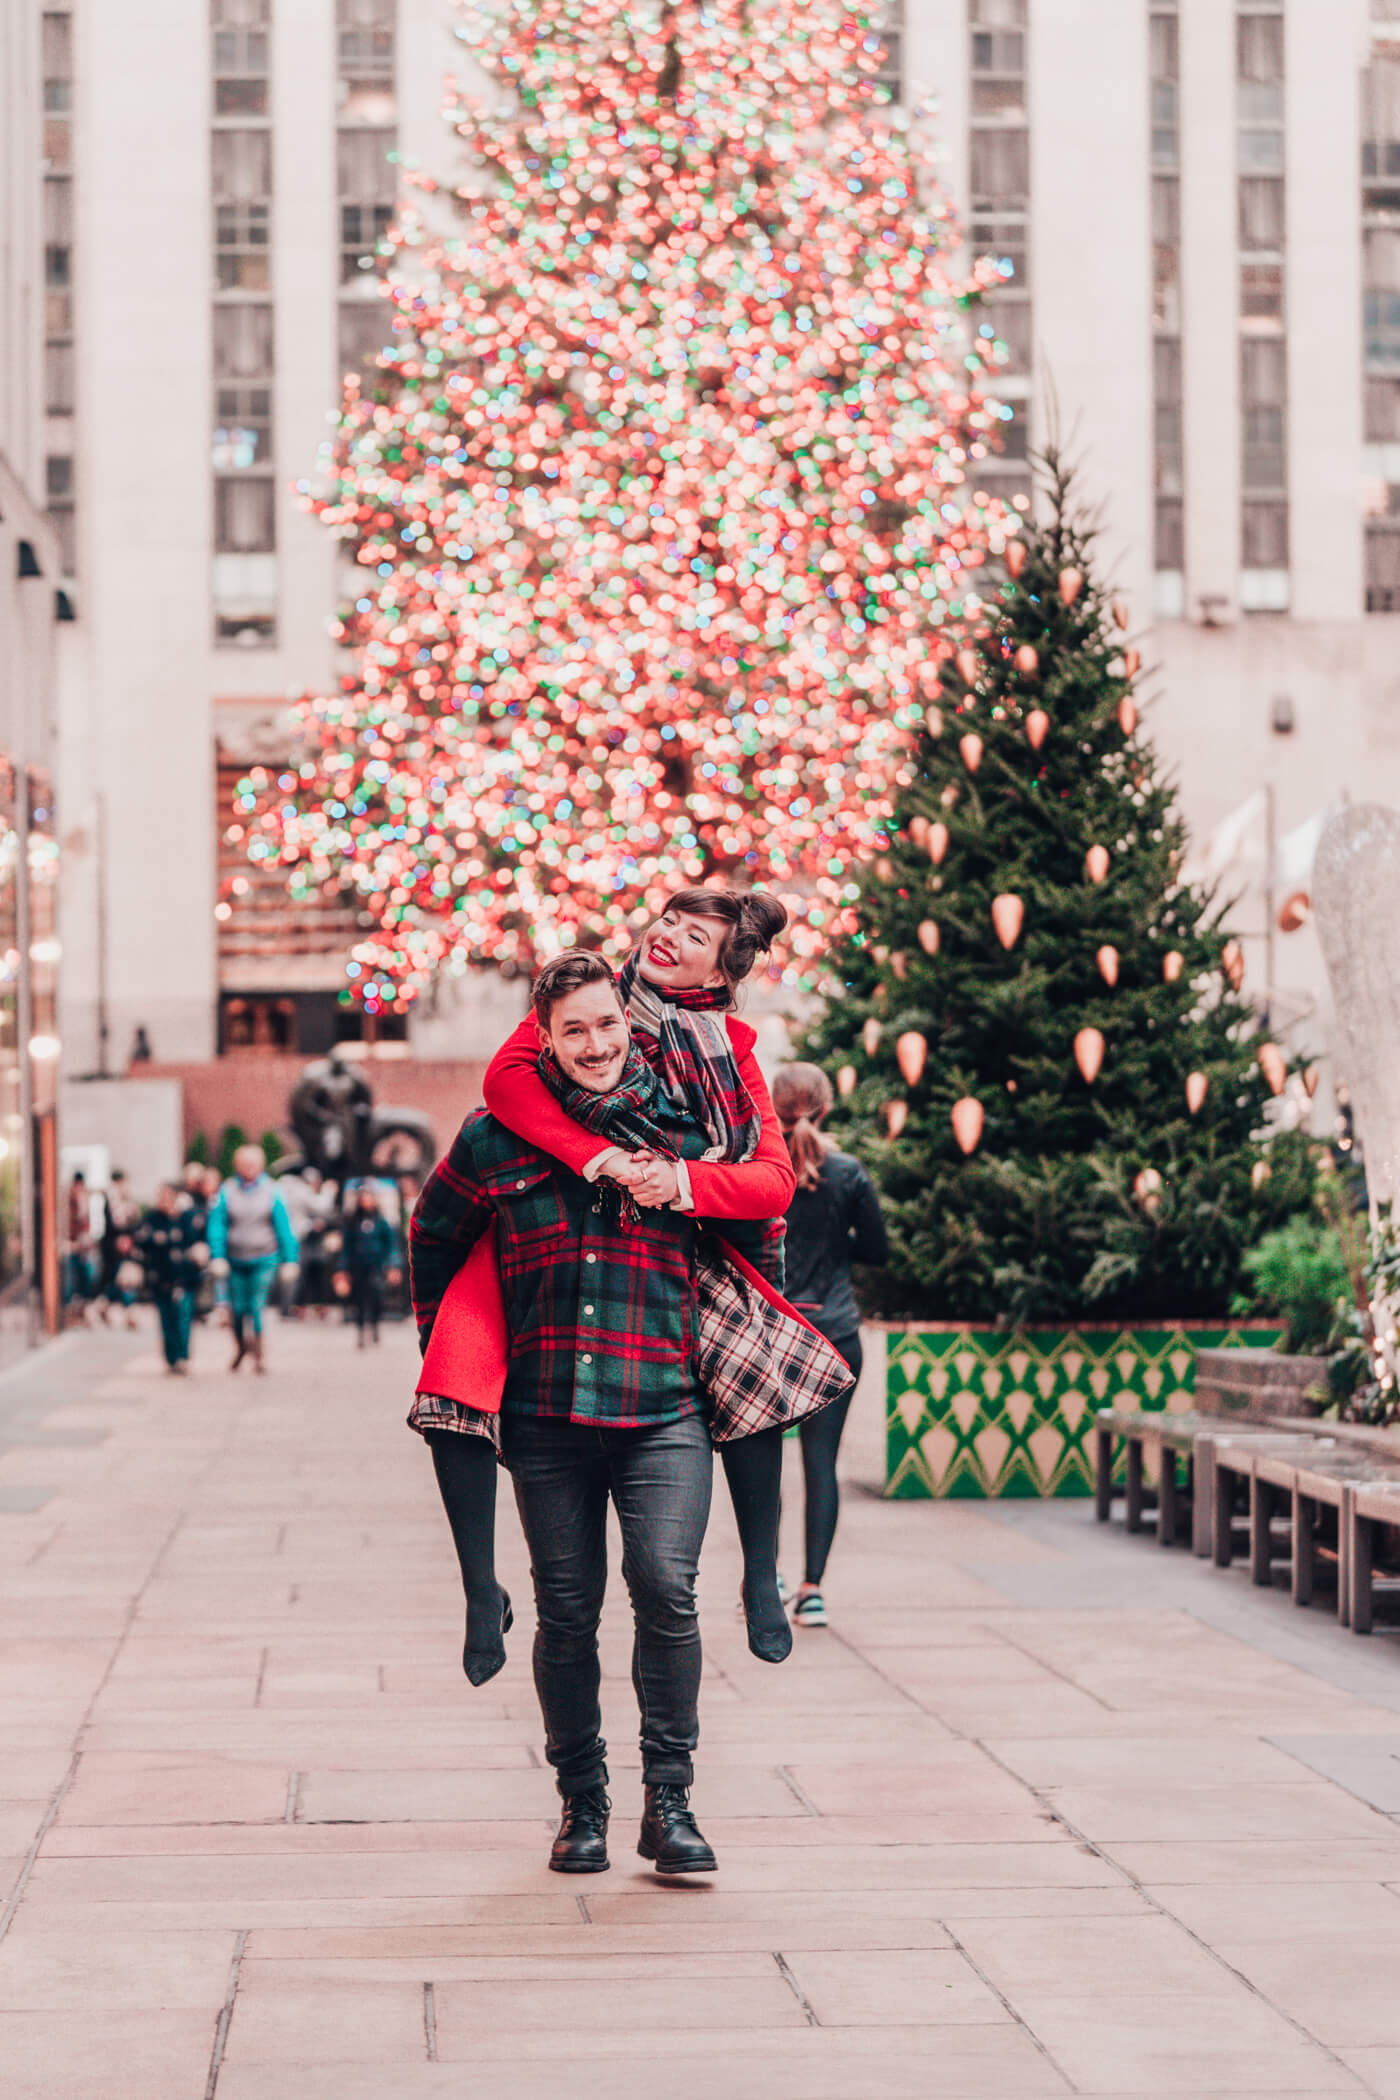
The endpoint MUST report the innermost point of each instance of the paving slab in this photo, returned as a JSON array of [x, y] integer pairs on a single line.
[[1082, 1818]]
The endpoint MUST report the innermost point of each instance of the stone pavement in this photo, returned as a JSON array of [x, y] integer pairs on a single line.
[[1045, 1812]]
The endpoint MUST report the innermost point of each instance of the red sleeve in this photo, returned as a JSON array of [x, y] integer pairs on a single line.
[[519, 1098], [761, 1187]]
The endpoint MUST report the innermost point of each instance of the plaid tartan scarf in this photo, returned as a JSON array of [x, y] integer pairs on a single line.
[[626, 1116], [695, 1059]]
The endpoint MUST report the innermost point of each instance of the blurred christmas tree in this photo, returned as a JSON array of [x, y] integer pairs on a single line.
[[1042, 1046], [662, 501]]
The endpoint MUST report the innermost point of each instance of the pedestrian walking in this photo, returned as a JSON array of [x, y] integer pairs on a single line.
[[249, 1238], [309, 1202], [80, 1242], [169, 1242], [192, 1192], [199, 1186], [368, 1243], [118, 1273], [833, 1220], [612, 1328]]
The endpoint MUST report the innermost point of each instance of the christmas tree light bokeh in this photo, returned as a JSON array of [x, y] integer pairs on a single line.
[[666, 504]]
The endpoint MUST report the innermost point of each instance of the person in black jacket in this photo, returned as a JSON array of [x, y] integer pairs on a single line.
[[369, 1250], [169, 1242], [833, 1220]]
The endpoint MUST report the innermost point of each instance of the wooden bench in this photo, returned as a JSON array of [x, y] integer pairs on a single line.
[[1271, 1467], [1369, 1502], [1170, 1437], [1327, 1481], [1307, 1474]]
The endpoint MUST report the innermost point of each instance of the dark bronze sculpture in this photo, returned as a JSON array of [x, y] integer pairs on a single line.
[[341, 1132]]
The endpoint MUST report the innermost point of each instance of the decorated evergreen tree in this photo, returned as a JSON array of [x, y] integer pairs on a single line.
[[1037, 1028], [666, 500]]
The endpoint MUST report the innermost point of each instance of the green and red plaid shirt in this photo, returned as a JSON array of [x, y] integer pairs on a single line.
[[601, 1313]]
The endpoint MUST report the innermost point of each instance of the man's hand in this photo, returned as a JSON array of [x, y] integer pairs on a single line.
[[651, 1180]]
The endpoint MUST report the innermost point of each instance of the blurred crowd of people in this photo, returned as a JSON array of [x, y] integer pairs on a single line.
[[217, 1250]]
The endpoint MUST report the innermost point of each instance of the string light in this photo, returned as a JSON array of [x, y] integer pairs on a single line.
[[667, 500]]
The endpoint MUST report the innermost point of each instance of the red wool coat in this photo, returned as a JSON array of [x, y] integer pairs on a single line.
[[469, 1347]]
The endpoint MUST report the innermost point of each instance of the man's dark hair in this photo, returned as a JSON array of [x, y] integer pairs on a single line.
[[569, 973]]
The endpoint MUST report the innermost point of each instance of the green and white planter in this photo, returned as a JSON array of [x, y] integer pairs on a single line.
[[981, 1414]]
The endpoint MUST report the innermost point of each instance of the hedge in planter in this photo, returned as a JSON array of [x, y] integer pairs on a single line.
[[1037, 1027]]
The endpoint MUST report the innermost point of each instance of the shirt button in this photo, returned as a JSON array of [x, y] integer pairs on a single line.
[[590, 1257], [520, 1184], [588, 1308], [585, 1359]]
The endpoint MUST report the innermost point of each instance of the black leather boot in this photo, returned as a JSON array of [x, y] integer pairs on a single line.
[[581, 1846], [669, 1834]]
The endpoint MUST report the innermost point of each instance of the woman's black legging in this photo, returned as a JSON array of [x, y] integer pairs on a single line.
[[821, 1441], [466, 1478]]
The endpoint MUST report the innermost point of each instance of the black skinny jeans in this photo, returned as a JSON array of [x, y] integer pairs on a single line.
[[659, 1480], [821, 1442]]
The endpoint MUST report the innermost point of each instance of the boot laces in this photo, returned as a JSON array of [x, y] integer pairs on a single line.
[[591, 1806], [669, 1799]]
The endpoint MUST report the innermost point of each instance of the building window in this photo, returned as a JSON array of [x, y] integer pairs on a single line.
[[366, 184], [244, 519], [243, 431], [243, 233], [1171, 547], [1000, 181], [245, 600], [240, 73], [1380, 314], [1166, 372], [1383, 411], [364, 331], [1166, 254], [242, 165], [993, 53], [59, 493], [56, 65], [1001, 167], [366, 176], [1164, 90], [57, 59], [57, 48], [365, 31], [1262, 235], [58, 378], [362, 228], [887, 20], [1265, 537], [242, 342], [1383, 568], [241, 452]]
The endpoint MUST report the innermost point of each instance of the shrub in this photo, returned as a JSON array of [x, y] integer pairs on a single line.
[[1298, 1273]]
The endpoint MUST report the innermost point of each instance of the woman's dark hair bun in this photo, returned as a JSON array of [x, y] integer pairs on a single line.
[[763, 917], [752, 920]]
